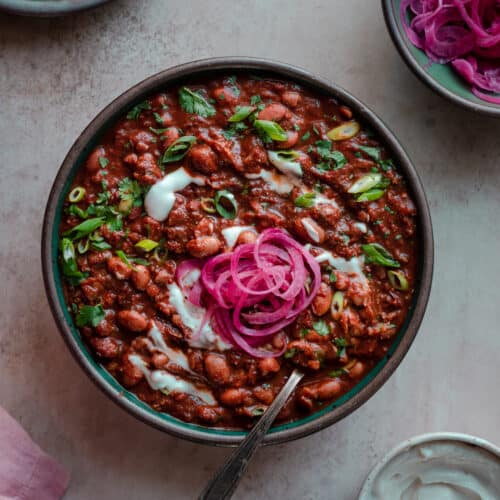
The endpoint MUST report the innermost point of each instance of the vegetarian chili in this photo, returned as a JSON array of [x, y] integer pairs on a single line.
[[229, 229]]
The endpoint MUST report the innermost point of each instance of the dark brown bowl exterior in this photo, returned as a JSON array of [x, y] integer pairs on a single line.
[[208, 67], [47, 8]]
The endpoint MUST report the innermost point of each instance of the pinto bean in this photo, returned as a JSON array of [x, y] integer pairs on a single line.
[[345, 112], [291, 98], [119, 268], [321, 303], [233, 397], [106, 347], [328, 389], [268, 365], [273, 112], [170, 136], [201, 157], [246, 237], [357, 370], [224, 95], [130, 159], [132, 320], [132, 375], [159, 359], [203, 246], [292, 138], [92, 165], [217, 369], [141, 277], [309, 230]]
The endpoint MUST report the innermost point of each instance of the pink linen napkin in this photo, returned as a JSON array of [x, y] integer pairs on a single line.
[[26, 472]]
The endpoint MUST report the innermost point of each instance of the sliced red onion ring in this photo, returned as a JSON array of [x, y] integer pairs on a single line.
[[463, 32], [255, 291]]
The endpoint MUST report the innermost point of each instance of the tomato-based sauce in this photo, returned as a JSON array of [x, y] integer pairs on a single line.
[[199, 170]]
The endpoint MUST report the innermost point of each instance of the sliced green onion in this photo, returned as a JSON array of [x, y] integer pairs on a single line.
[[305, 200], [147, 245], [77, 194], [100, 245], [95, 236], [286, 161], [160, 254], [270, 131], [241, 114], [398, 280], [208, 204], [365, 183], [69, 265], [377, 254], [83, 246], [178, 149], [344, 131], [337, 306], [371, 195], [223, 198], [124, 258], [86, 227]]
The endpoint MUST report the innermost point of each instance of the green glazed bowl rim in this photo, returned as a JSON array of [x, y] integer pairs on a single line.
[[47, 8], [52, 279], [417, 61]]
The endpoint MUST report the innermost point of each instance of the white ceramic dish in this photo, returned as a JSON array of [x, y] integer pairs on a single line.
[[444, 466]]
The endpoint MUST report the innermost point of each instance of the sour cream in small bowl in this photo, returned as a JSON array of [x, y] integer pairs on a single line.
[[444, 466]]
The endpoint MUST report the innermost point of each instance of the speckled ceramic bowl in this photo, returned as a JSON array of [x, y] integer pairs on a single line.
[[423, 440], [439, 77], [47, 8], [127, 400]]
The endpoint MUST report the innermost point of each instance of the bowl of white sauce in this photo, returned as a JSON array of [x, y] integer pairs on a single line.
[[438, 466]]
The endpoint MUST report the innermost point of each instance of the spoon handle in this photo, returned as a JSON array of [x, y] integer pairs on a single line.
[[225, 481]]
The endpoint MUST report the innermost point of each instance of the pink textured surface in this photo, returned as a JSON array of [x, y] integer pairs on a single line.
[[26, 471]]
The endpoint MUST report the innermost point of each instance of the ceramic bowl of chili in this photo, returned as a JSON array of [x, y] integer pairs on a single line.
[[452, 46], [250, 300]]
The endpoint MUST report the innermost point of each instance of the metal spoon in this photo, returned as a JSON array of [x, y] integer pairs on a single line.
[[225, 482]]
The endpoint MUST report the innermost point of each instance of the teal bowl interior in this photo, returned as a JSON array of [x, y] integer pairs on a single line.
[[53, 279], [440, 77]]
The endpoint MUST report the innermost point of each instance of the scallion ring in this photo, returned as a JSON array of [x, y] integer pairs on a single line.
[[83, 246], [77, 194], [95, 236], [337, 306], [398, 280], [160, 254], [223, 200], [208, 204]]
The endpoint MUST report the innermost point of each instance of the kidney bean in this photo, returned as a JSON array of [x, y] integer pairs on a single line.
[[292, 138], [203, 246], [357, 370], [131, 374], [92, 288], [268, 366], [224, 95], [273, 112], [106, 347], [321, 303], [233, 397], [132, 320], [328, 389], [141, 277], [309, 230], [170, 136], [246, 237], [119, 268], [159, 359], [263, 394], [291, 98], [217, 369], [92, 165], [201, 157]]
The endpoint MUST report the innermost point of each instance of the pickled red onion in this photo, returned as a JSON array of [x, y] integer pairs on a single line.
[[252, 293], [463, 32]]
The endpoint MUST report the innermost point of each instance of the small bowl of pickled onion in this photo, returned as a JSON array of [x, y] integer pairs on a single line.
[[453, 46]]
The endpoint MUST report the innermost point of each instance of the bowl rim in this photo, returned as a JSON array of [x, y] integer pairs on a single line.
[[400, 42], [47, 8], [83, 144], [429, 437]]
